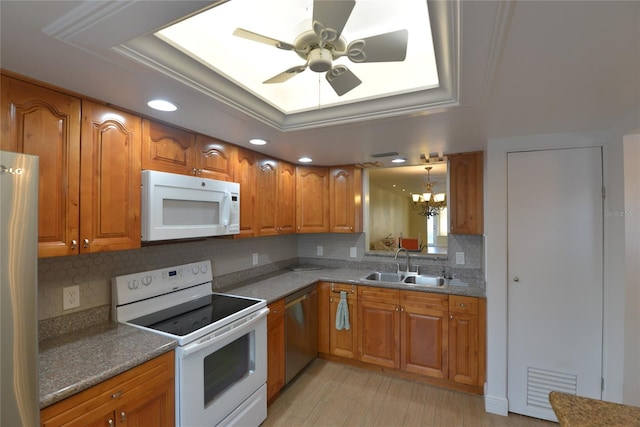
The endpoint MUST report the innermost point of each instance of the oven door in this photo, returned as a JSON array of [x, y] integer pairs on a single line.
[[218, 373]]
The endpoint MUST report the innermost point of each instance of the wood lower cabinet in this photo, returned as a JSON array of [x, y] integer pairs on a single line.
[[424, 331], [466, 338], [312, 199], [379, 326], [344, 342], [275, 349], [142, 396], [466, 193]]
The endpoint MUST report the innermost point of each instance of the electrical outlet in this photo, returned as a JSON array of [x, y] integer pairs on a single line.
[[353, 252], [319, 250], [70, 297], [255, 259], [460, 258]]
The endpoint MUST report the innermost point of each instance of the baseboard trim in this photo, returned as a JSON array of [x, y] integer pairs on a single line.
[[495, 405]]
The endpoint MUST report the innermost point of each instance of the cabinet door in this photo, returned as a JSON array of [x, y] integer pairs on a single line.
[[154, 406], [275, 349], [215, 159], [424, 334], [312, 199], [168, 149], [286, 209], [463, 348], [466, 193], [324, 317], [110, 185], [46, 123], [245, 174], [344, 342], [266, 205], [379, 326], [345, 200]]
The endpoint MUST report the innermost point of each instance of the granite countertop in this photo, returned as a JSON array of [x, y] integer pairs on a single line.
[[278, 285], [76, 361], [576, 411]]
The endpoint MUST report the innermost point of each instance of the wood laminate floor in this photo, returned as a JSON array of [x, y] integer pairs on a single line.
[[332, 394]]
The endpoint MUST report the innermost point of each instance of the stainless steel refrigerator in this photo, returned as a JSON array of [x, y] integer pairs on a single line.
[[19, 393]]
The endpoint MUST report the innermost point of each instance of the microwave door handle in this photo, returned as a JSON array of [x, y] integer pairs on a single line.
[[226, 208]]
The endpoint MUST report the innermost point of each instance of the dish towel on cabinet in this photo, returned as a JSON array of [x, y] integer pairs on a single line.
[[342, 313]]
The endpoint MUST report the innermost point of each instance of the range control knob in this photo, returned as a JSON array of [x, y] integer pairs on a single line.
[[146, 280]]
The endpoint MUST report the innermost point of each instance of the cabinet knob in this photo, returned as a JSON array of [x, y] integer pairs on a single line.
[[123, 416], [85, 243], [110, 422], [117, 394], [516, 279], [451, 316], [194, 171], [463, 305], [74, 244]]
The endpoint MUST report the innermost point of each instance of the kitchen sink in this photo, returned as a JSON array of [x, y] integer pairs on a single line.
[[425, 280], [384, 277]]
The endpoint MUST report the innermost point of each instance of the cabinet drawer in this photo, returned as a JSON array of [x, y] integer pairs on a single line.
[[276, 310], [460, 304], [424, 299], [379, 294], [351, 290]]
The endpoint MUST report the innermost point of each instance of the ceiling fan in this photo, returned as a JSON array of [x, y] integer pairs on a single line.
[[322, 44]]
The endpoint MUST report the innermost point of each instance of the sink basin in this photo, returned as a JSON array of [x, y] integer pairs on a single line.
[[425, 280], [384, 277]]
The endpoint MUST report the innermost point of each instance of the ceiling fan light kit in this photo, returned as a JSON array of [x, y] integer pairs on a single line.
[[323, 44]]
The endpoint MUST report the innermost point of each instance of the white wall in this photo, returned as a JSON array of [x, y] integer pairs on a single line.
[[496, 263], [631, 384]]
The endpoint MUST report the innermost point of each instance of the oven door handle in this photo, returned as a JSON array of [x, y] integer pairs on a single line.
[[215, 337]]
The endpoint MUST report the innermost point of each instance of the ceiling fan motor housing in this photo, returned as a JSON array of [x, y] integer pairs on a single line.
[[320, 60]]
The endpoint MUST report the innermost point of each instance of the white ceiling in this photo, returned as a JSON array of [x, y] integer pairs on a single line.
[[526, 67]]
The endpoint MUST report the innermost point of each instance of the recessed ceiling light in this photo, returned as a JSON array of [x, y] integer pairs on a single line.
[[258, 141], [162, 105], [305, 159], [398, 160]]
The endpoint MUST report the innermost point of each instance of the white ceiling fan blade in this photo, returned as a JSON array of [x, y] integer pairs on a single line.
[[386, 47], [250, 35], [342, 80], [286, 75], [330, 17]]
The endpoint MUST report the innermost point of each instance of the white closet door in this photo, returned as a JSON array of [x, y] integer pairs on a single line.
[[555, 265]]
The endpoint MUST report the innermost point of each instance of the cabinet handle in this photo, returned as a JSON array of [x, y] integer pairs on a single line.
[[110, 422], [117, 394], [397, 309], [74, 244], [85, 243], [463, 305], [194, 171], [123, 416], [451, 316]]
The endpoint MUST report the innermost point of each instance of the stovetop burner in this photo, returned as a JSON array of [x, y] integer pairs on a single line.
[[183, 319]]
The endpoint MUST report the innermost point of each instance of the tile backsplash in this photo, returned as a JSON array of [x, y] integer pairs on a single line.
[[231, 260]]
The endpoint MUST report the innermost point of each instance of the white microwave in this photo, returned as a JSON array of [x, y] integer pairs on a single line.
[[185, 207]]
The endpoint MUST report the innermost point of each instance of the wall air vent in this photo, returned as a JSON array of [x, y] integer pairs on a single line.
[[389, 154], [540, 382]]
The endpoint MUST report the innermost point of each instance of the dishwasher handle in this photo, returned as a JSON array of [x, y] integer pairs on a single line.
[[297, 300]]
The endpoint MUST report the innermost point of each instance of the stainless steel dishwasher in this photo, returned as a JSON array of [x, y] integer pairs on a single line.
[[301, 330]]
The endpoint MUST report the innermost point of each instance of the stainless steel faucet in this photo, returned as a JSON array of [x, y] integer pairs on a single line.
[[407, 252]]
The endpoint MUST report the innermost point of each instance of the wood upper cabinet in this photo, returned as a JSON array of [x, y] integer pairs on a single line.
[[466, 339], [345, 199], [215, 159], [144, 395], [46, 123], [275, 349], [89, 182], [168, 149], [466, 193], [312, 199], [275, 197], [245, 174], [343, 342], [110, 179], [379, 326], [424, 333]]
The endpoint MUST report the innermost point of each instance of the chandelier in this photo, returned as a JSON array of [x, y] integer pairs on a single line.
[[429, 204]]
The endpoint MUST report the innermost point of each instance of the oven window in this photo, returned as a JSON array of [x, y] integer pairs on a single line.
[[227, 366]]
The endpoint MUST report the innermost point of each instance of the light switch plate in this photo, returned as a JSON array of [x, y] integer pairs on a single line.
[[353, 252], [460, 258], [319, 251]]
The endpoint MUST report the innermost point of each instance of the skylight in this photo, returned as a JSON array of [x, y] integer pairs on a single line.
[[208, 38]]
